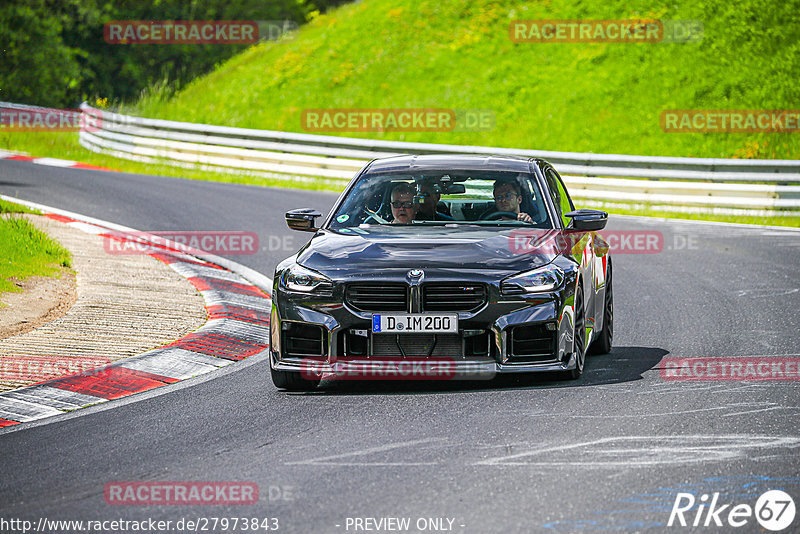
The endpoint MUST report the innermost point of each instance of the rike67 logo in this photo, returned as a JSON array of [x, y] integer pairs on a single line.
[[774, 510]]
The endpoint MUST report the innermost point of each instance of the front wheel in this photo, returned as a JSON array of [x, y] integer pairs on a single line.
[[578, 337], [292, 381], [602, 345]]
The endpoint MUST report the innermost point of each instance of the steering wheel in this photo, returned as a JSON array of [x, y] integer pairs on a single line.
[[373, 215], [499, 215]]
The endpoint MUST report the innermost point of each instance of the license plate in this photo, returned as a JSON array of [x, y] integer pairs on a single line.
[[413, 323]]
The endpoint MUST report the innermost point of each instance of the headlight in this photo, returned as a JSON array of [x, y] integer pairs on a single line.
[[544, 278], [298, 278]]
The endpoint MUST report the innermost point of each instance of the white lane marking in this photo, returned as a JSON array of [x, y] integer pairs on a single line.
[[760, 406], [214, 297], [676, 222], [61, 399], [770, 292], [644, 451], [235, 329], [333, 459], [768, 457], [175, 363], [54, 162], [772, 408], [696, 386], [741, 388], [613, 452], [87, 228], [24, 411], [190, 270], [660, 414]]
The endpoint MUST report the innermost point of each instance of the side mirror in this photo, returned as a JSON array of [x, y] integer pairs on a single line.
[[588, 220], [302, 219]]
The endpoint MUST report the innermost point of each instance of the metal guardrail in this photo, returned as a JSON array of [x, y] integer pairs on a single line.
[[705, 183]]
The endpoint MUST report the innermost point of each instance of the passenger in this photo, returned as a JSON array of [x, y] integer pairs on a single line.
[[429, 193], [508, 197], [402, 201]]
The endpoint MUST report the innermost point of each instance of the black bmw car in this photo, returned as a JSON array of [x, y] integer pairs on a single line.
[[443, 266]]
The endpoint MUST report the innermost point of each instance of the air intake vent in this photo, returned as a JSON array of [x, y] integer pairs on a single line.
[[531, 344], [453, 297], [381, 297], [299, 339]]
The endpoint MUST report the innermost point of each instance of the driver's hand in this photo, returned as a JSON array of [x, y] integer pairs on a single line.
[[524, 217]]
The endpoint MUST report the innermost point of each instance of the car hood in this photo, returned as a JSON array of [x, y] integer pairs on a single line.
[[388, 247]]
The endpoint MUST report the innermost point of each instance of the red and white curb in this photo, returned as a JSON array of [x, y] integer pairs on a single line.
[[237, 327], [51, 162]]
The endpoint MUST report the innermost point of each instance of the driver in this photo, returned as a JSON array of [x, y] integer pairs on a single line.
[[508, 197], [402, 201]]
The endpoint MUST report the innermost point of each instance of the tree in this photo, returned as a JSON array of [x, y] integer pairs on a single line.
[[53, 52]]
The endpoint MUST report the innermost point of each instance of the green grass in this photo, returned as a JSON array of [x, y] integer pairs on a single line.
[[601, 98], [10, 207], [27, 251], [596, 97]]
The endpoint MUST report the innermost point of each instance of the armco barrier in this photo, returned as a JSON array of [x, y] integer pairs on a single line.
[[706, 184]]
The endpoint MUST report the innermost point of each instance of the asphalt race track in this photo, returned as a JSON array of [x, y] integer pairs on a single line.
[[609, 452]]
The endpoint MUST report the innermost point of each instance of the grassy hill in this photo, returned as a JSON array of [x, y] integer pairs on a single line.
[[595, 97]]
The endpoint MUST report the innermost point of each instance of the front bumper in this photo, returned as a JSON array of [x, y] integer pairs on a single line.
[[496, 320], [460, 370]]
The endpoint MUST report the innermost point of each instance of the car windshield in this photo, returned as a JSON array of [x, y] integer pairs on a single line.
[[450, 198]]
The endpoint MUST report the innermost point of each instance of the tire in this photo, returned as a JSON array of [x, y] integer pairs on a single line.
[[579, 337], [602, 344], [292, 381]]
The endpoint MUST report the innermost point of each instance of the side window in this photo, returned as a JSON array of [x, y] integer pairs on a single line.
[[561, 200]]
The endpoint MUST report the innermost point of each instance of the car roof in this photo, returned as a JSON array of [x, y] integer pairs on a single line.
[[451, 162]]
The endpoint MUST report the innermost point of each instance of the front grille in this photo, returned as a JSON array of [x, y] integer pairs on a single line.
[[299, 339], [375, 297], [446, 297], [531, 344], [417, 345]]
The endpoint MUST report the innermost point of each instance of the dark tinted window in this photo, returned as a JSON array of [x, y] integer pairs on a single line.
[[443, 197], [558, 192]]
